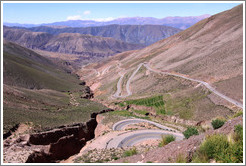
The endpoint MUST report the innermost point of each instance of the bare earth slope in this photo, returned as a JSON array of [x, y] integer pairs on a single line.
[[210, 51]]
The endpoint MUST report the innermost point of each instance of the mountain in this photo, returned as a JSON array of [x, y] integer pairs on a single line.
[[210, 51], [134, 34], [74, 43], [20, 25], [183, 22], [33, 40], [90, 47], [25, 68], [177, 22]]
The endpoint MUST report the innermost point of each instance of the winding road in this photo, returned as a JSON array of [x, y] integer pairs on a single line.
[[118, 92], [125, 138], [121, 124], [201, 82], [119, 84], [133, 137]]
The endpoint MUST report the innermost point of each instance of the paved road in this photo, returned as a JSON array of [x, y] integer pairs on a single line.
[[121, 124], [116, 95], [130, 138], [118, 91], [119, 84], [137, 136]]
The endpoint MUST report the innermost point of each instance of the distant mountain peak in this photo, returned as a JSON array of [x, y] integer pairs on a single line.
[[181, 23]]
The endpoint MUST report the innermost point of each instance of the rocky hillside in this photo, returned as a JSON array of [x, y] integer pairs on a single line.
[[210, 51], [68, 43], [135, 34], [26, 38], [74, 43]]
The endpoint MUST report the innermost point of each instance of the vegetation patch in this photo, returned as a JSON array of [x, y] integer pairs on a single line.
[[190, 131], [156, 102], [141, 112], [237, 114], [45, 108], [20, 70], [217, 123], [189, 104], [130, 152], [126, 113], [181, 159], [222, 148], [166, 140]]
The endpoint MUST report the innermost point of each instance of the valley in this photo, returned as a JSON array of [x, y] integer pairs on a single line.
[[125, 93]]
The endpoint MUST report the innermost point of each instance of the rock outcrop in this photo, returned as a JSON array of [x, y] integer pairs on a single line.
[[63, 141], [87, 93]]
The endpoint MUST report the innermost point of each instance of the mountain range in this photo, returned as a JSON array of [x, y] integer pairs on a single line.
[[85, 46], [177, 22], [134, 34]]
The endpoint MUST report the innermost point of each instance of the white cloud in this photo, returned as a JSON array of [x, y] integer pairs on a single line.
[[87, 12], [103, 19], [76, 17], [79, 17]]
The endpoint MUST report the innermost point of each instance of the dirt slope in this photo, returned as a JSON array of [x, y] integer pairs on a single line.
[[211, 51]]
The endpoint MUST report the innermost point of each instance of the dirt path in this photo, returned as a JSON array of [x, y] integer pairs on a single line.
[[73, 101], [212, 89]]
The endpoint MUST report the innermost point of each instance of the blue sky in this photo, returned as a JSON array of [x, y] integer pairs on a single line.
[[35, 13]]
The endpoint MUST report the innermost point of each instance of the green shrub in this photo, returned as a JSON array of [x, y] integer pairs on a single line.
[[232, 154], [181, 159], [222, 149], [217, 123], [130, 152], [166, 140], [214, 145], [238, 133], [199, 158], [237, 114], [190, 131]]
